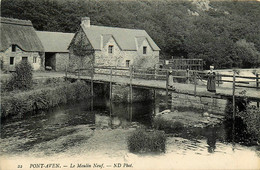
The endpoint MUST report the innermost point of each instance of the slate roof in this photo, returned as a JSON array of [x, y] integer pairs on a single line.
[[20, 33], [55, 41], [125, 38]]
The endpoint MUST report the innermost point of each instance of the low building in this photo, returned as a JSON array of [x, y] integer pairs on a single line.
[[111, 46], [56, 49], [19, 41]]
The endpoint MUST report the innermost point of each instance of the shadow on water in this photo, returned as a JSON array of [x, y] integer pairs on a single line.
[[53, 124]]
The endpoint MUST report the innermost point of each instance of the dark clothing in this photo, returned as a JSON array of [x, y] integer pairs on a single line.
[[211, 84]]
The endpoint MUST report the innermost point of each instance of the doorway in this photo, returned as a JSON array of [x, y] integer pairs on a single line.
[[50, 61]]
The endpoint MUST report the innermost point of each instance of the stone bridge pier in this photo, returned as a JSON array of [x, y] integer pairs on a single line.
[[211, 105]]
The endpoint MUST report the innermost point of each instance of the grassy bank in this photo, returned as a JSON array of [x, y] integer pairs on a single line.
[[43, 98]]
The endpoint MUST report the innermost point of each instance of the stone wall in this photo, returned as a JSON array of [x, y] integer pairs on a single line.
[[211, 105], [18, 54], [76, 62], [62, 61]]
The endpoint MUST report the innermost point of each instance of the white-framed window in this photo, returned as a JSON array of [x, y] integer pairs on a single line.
[[13, 48], [11, 60], [110, 49], [144, 49], [34, 59], [127, 63]]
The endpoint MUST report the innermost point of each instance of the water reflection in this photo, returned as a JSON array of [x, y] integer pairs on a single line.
[[46, 127], [211, 140]]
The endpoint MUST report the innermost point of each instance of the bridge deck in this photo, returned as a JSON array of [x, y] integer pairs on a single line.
[[222, 92]]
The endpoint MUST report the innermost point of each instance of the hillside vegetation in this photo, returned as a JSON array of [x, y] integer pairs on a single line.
[[223, 33]]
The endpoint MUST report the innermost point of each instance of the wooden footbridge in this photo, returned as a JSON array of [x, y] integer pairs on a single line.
[[190, 82]]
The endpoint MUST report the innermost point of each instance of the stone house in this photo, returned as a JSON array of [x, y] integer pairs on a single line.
[[19, 41], [56, 49], [111, 46]]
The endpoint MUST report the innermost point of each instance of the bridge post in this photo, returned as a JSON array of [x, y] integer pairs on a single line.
[[92, 77], [257, 87], [234, 102], [195, 83], [218, 78], [234, 111], [131, 88], [257, 81], [167, 84], [110, 85], [187, 75]]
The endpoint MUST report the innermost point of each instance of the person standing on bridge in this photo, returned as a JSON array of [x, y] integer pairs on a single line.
[[211, 84], [170, 79]]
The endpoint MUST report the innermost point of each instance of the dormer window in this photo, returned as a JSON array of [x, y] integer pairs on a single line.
[[13, 48], [110, 49], [144, 49]]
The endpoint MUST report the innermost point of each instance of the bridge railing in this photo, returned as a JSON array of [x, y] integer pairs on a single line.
[[179, 76]]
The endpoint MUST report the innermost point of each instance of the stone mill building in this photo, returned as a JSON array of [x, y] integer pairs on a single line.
[[111, 46]]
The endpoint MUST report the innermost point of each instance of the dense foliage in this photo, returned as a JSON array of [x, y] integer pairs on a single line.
[[251, 117], [246, 125], [223, 33], [21, 79], [44, 98]]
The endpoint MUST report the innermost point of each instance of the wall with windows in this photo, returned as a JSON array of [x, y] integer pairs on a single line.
[[14, 55], [112, 55]]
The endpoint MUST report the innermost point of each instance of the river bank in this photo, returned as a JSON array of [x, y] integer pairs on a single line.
[[46, 94]]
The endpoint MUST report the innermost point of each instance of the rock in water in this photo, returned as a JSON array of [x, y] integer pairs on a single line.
[[205, 114], [164, 112]]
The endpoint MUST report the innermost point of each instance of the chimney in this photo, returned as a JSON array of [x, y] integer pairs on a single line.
[[85, 21]]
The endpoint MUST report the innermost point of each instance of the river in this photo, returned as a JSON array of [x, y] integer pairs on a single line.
[[96, 130]]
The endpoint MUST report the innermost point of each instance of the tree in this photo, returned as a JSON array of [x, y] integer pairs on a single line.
[[212, 34], [247, 53]]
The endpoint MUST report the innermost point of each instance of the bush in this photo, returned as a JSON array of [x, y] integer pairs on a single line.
[[21, 79], [247, 127], [251, 117], [142, 141], [24, 102], [163, 124]]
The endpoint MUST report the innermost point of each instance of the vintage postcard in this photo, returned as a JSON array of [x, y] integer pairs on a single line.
[[129, 84]]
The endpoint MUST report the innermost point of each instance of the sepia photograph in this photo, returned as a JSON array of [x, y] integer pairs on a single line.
[[129, 84]]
